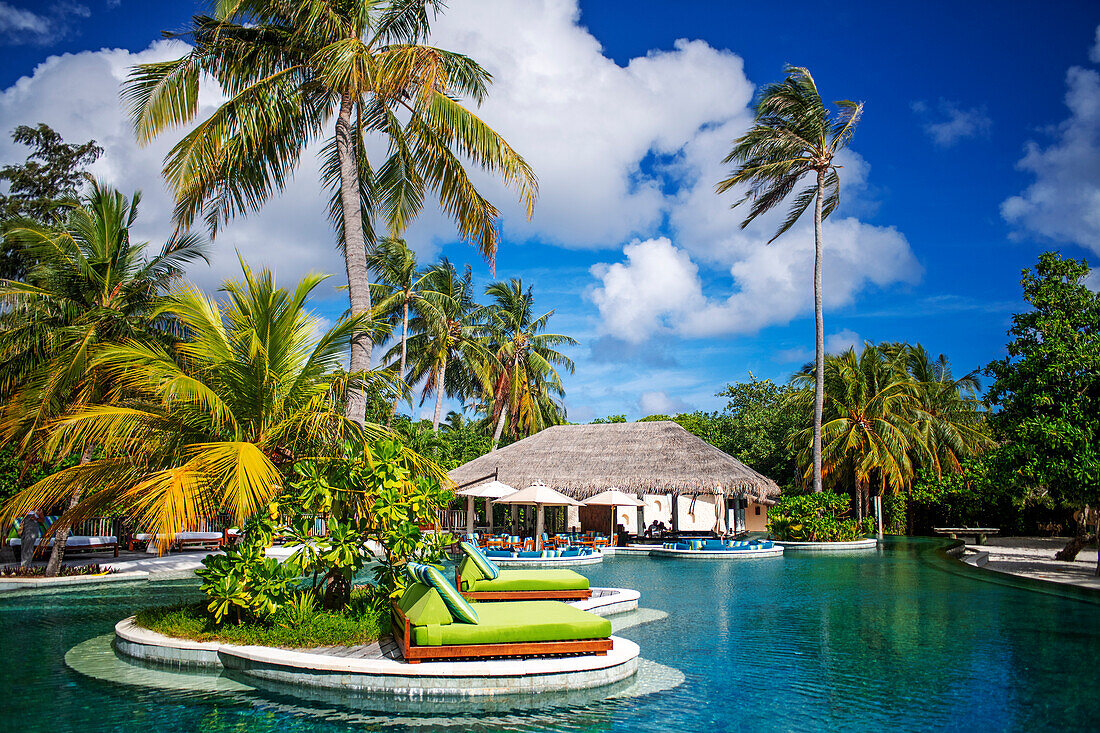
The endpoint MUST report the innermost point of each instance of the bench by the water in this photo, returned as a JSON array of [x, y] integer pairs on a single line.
[[978, 533]]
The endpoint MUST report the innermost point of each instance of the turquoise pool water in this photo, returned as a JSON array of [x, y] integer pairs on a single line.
[[890, 640]]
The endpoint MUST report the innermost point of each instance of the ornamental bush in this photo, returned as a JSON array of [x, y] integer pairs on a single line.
[[816, 517]]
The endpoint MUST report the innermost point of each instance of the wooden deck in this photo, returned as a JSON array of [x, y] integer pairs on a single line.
[[384, 648]]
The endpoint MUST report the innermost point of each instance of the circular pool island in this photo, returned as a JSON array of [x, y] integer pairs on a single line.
[[863, 545], [379, 668]]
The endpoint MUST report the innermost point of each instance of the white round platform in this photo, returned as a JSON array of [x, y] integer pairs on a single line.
[[383, 674], [547, 562], [854, 546], [776, 551]]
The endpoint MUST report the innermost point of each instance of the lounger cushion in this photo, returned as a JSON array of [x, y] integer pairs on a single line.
[[461, 611], [423, 605], [485, 565], [519, 621], [535, 579], [76, 541]]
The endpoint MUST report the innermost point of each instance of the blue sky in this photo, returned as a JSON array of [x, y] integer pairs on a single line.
[[979, 148]]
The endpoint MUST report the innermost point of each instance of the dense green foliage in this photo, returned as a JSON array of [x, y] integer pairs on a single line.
[[300, 623], [370, 493], [816, 517], [40, 188], [1048, 387]]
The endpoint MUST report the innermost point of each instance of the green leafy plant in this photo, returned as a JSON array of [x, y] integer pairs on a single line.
[[816, 517], [369, 493], [244, 584]]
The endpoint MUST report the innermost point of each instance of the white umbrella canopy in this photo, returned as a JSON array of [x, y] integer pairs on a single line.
[[491, 490], [613, 497], [540, 495]]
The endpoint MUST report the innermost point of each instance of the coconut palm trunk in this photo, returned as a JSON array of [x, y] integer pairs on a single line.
[[61, 536], [439, 397], [819, 324], [404, 357], [500, 425], [355, 255]]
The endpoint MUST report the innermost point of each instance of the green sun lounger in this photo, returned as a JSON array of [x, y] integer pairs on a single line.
[[518, 585], [426, 629]]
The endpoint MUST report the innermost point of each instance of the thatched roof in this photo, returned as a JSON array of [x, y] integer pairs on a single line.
[[639, 458]]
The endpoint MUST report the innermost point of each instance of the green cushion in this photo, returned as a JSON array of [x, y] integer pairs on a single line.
[[469, 572], [461, 611], [484, 564], [518, 621], [422, 605], [535, 579]]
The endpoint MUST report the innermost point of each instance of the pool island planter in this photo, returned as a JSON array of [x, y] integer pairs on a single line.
[[864, 545], [385, 675]]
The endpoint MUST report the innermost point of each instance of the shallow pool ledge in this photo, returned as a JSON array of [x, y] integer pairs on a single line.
[[853, 546], [310, 668]]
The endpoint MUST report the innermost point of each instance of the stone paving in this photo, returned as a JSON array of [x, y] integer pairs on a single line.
[[1033, 557]]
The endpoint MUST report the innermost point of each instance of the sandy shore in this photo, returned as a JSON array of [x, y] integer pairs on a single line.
[[1033, 557]]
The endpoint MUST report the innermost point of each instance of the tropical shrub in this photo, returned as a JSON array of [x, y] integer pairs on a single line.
[[244, 584], [369, 493], [816, 517]]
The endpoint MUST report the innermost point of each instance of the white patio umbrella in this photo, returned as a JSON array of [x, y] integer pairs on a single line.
[[613, 497], [492, 490], [540, 496]]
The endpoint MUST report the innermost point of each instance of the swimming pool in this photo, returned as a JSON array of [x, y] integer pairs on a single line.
[[884, 640]]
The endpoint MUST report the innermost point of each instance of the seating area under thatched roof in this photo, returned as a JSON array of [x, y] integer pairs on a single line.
[[644, 457]]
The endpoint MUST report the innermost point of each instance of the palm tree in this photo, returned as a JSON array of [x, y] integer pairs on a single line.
[[869, 433], [522, 376], [91, 287], [455, 421], [209, 425], [287, 69], [445, 344], [795, 135], [400, 289], [950, 416]]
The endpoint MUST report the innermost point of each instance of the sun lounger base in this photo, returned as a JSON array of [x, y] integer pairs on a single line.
[[414, 654]]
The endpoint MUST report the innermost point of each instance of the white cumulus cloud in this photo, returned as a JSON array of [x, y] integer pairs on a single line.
[[841, 341], [1063, 202], [948, 123], [640, 297], [660, 403]]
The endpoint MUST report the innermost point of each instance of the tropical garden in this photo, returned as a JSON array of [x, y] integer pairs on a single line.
[[127, 392]]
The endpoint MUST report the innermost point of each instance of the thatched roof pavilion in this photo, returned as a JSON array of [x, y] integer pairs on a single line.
[[657, 457]]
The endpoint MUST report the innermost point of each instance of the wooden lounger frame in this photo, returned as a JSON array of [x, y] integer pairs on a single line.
[[415, 654], [522, 595], [178, 544]]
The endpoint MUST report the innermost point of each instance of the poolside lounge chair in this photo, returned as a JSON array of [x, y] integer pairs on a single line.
[[474, 578], [77, 543], [428, 626], [182, 541]]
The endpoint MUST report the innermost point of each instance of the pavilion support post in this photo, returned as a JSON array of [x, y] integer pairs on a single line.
[[515, 519], [878, 514], [641, 516], [675, 508], [540, 525], [469, 514], [489, 515]]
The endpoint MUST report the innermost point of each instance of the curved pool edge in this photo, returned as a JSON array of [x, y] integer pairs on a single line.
[[946, 555], [864, 545]]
